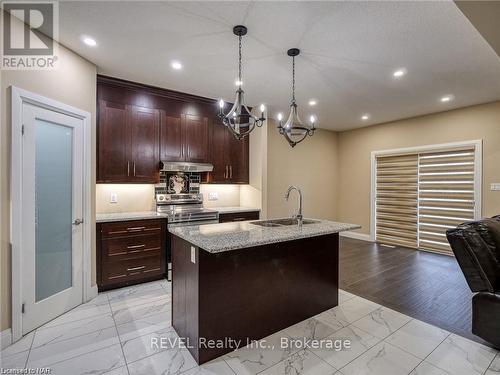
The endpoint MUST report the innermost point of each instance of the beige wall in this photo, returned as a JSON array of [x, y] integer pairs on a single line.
[[253, 195], [228, 195], [140, 197], [131, 197], [73, 83], [312, 165], [355, 147]]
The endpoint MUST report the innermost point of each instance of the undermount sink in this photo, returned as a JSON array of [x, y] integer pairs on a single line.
[[282, 222]]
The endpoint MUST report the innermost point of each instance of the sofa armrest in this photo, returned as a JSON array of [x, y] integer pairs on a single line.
[[485, 317]]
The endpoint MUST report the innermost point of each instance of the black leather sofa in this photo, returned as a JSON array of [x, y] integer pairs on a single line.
[[476, 246]]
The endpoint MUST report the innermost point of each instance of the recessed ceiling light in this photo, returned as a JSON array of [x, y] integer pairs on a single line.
[[399, 73], [365, 117], [238, 82], [312, 102], [446, 98], [176, 65], [89, 41]]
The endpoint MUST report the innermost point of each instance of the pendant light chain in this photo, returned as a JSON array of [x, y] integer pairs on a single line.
[[239, 61], [293, 79]]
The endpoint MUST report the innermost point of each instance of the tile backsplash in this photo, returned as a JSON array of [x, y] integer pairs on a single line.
[[191, 182]]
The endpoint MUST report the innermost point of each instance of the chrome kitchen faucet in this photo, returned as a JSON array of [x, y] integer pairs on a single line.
[[299, 215]]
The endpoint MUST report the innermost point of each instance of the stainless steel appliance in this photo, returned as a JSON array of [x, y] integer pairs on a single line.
[[169, 166], [183, 209]]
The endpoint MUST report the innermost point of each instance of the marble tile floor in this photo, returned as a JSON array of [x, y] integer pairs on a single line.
[[112, 335]]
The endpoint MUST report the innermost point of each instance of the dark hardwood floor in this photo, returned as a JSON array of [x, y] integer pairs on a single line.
[[429, 287]]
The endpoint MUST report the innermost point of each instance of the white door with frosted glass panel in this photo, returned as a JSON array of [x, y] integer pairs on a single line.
[[52, 211]]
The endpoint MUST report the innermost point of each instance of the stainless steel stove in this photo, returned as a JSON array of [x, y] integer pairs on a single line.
[[185, 208]]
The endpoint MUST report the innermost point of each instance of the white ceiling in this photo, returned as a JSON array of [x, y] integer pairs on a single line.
[[349, 51]]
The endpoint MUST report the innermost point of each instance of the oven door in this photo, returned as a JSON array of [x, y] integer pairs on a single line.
[[169, 239]]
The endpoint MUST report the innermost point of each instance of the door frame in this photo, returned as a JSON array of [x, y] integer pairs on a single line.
[[18, 98], [478, 170]]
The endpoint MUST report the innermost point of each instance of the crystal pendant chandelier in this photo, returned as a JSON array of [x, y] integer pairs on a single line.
[[293, 130], [239, 120]]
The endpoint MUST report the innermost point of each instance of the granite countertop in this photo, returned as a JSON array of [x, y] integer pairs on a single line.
[[216, 238], [124, 216], [233, 209]]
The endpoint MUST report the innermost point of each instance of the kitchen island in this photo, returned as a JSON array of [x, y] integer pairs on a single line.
[[237, 282]]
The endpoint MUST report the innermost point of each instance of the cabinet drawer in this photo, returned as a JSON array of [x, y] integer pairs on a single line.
[[130, 228], [239, 216], [133, 269], [131, 247]]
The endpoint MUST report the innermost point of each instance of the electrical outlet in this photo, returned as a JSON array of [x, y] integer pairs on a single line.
[[213, 196], [495, 186], [114, 198]]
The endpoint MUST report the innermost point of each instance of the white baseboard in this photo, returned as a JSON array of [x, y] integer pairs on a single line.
[[357, 236], [5, 338], [92, 293]]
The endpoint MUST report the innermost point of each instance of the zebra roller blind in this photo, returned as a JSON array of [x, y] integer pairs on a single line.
[[397, 200], [421, 195], [446, 195]]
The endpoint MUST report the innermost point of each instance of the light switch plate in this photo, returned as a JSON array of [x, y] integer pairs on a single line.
[[193, 254], [495, 186], [114, 198], [213, 196]]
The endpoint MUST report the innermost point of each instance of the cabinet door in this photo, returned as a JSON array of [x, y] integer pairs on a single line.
[[236, 157], [112, 142], [195, 138], [217, 151], [171, 138], [144, 144]]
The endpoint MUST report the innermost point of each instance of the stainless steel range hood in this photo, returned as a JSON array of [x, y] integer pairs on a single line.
[[173, 166]]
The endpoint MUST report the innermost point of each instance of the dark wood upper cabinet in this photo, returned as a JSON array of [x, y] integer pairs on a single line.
[[112, 142], [138, 126], [217, 142], [128, 143], [171, 140], [196, 138], [229, 157], [236, 156], [184, 138], [144, 147]]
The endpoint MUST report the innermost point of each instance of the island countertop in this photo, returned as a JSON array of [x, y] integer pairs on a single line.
[[216, 238]]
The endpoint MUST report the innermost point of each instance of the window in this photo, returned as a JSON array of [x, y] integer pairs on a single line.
[[421, 193]]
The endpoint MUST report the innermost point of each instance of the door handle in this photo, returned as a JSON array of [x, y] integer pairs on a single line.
[[135, 229], [226, 174], [231, 171], [136, 268], [128, 168], [77, 222], [135, 246], [134, 168]]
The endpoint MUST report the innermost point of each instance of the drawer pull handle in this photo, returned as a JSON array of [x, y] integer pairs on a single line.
[[135, 246], [136, 268], [135, 229], [240, 219]]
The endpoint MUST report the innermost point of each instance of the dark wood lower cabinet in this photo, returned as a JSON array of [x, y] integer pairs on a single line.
[[239, 216], [250, 293], [130, 252]]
